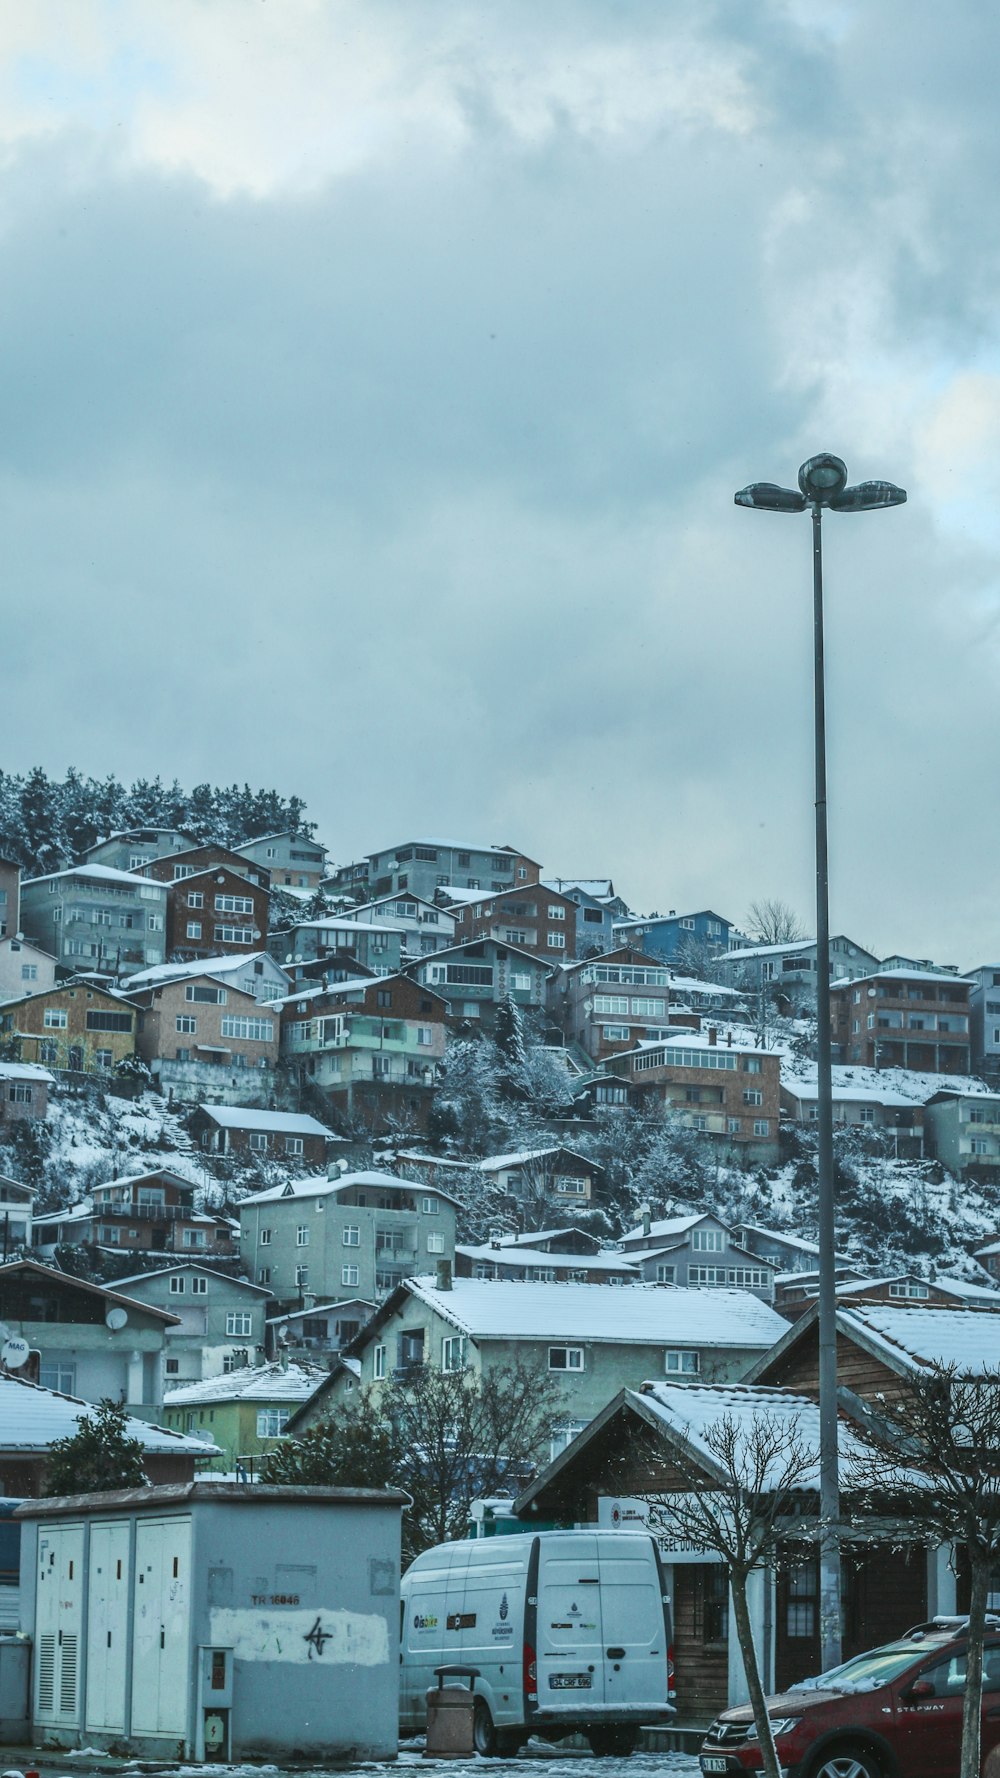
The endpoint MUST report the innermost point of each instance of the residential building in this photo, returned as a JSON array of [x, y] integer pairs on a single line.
[[24, 1093], [535, 919], [10, 898], [243, 1413], [24, 968], [791, 1253], [322, 1328], [537, 1179], [218, 1319], [92, 1342], [729, 1090], [376, 945], [903, 1018], [356, 1235], [215, 913], [144, 1213], [294, 862], [608, 1004], [597, 910], [32, 1418], [207, 1040], [257, 974], [682, 939], [423, 866], [177, 866], [549, 1256], [135, 847], [587, 1338], [874, 1099], [789, 970], [278, 1135], [77, 1026], [698, 1250], [984, 1019], [16, 1205], [963, 1129], [475, 977], [794, 1295], [96, 918], [425, 927], [372, 1046]]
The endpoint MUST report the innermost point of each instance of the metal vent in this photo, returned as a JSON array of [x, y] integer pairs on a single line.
[[46, 1673], [67, 1675]]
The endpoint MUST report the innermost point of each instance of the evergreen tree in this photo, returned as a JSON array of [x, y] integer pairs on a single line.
[[98, 1456]]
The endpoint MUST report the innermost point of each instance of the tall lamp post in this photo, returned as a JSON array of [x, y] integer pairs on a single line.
[[823, 482]]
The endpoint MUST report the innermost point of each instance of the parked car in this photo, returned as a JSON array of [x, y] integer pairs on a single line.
[[895, 1712]]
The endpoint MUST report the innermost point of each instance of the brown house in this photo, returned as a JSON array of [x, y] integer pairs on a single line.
[[282, 1135], [78, 1026], [24, 1092], [903, 1018], [718, 1084], [215, 913], [371, 1046], [205, 1039], [33, 1418], [180, 865], [143, 1213], [10, 898], [608, 1004], [532, 917]]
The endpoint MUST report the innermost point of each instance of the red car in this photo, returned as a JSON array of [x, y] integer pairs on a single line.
[[893, 1713]]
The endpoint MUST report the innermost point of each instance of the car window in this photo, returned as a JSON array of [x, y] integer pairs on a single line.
[[880, 1666], [948, 1676]]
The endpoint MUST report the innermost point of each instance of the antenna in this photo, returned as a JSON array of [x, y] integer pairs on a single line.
[[14, 1352], [115, 1319]]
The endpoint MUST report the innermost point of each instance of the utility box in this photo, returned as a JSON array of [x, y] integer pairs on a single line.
[[214, 1621]]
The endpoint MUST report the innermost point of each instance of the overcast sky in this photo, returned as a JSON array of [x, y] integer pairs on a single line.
[[376, 378]]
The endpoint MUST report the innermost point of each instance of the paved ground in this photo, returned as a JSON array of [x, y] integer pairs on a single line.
[[537, 1759]]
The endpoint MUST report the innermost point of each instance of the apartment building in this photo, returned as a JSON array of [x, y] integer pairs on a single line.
[[535, 919], [10, 898], [726, 1088], [95, 918], [903, 1018], [423, 866], [610, 1003], [372, 1046], [219, 1323], [293, 861], [215, 913], [206, 1040], [133, 848], [984, 1019], [24, 968], [475, 977], [78, 1026], [374, 944], [789, 971]]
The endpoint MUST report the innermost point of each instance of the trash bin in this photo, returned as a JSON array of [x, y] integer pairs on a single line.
[[450, 1713]]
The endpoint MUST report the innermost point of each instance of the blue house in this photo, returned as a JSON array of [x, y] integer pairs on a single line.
[[675, 936]]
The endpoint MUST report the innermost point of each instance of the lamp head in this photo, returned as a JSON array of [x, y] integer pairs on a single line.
[[768, 497], [822, 478]]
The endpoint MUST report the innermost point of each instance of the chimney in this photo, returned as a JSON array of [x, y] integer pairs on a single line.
[[647, 1219], [713, 1035], [333, 1169], [495, 1240], [309, 1299], [444, 1274]]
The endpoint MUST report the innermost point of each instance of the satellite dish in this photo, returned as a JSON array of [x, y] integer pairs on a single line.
[[14, 1353], [115, 1319]]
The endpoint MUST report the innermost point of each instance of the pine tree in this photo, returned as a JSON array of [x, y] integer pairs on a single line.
[[98, 1456]]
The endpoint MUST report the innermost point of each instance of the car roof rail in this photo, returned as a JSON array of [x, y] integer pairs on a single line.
[[947, 1624]]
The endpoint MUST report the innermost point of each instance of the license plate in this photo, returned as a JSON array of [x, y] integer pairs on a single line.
[[711, 1762], [569, 1682]]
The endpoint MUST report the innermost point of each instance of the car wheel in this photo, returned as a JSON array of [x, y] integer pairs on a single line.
[[846, 1762], [612, 1741], [484, 1735]]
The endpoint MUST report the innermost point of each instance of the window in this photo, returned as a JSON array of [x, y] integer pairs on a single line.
[[238, 1324], [265, 1237], [54, 1019], [802, 1600], [565, 1358], [199, 1286], [193, 929], [204, 995], [682, 1364], [615, 1033], [435, 1243], [611, 1003], [563, 1434], [648, 1009], [706, 1274], [708, 1241], [302, 1235], [234, 935], [733, 1126], [753, 1096], [666, 1274], [761, 1126], [430, 1206], [351, 1236], [109, 1021], [177, 1286], [104, 1059], [752, 1065], [172, 1366], [301, 1277], [453, 1353], [193, 1238], [195, 898], [349, 1274], [61, 1377], [254, 1030], [29, 972], [556, 941], [271, 1422], [183, 1055], [978, 1145], [907, 1289], [383, 997], [257, 1141], [378, 1363], [233, 904], [557, 913], [294, 1145], [186, 1021], [747, 1278], [263, 1275]]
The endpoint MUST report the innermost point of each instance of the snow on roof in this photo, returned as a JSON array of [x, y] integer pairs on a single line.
[[692, 1409], [313, 990], [511, 1254], [495, 1163], [694, 1040], [910, 1337], [261, 1382], [536, 1235], [187, 1265], [168, 972], [284, 1123], [345, 922], [670, 1225], [25, 1071], [643, 1315], [450, 846], [942, 977], [340, 1308], [99, 873], [693, 984], [315, 1186], [31, 1418], [284, 833], [598, 888], [854, 1085], [793, 947]]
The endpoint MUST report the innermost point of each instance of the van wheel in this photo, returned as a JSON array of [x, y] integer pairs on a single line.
[[484, 1735], [612, 1740]]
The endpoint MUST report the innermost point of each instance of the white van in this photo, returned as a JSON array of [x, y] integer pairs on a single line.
[[570, 1632]]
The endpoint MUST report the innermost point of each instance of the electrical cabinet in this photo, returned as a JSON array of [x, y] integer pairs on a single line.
[[161, 1636], [59, 1625], [107, 1626]]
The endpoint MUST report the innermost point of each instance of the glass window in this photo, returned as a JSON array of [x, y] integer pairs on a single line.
[[565, 1358], [348, 1274], [351, 1236], [682, 1363], [238, 1325], [271, 1422], [453, 1353], [378, 1363]]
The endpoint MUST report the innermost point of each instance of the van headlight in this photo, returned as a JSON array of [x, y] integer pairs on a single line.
[[780, 1725]]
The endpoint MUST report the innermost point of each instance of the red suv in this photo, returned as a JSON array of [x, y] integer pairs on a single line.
[[893, 1713]]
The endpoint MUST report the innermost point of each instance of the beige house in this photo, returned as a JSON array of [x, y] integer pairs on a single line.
[[206, 1040]]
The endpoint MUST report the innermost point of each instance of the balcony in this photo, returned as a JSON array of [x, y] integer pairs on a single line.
[[145, 1212]]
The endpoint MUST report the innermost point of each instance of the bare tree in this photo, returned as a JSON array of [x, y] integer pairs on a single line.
[[773, 922], [736, 1481], [933, 1459]]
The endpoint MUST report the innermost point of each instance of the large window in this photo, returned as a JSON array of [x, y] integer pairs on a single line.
[[679, 1363], [708, 1241], [54, 1019], [349, 1275], [238, 1325], [302, 1235], [351, 1235], [255, 1030], [271, 1422], [206, 996], [233, 904]]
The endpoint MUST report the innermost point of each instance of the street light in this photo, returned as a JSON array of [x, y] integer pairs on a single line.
[[823, 482]]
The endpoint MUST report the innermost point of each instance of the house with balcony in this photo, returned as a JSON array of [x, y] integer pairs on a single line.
[[610, 1003], [545, 1256], [92, 1342], [141, 1213], [597, 910], [963, 1130], [339, 1239], [984, 1019], [722, 1085], [257, 975], [425, 927], [176, 867], [319, 1332], [372, 1046], [903, 1018], [697, 1250], [537, 1179], [533, 918], [375, 945], [133, 848], [292, 860], [276, 1135], [215, 913], [207, 1040], [874, 1099], [97, 919], [77, 1026], [473, 978], [218, 1319], [787, 972], [421, 867]]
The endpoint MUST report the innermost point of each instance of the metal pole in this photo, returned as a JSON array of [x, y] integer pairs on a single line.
[[829, 1490]]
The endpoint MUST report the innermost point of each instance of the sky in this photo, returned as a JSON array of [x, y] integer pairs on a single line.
[[377, 376]]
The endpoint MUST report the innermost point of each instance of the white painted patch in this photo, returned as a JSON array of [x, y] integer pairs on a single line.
[[316, 1636]]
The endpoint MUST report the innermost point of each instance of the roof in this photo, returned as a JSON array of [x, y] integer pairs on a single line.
[[941, 978], [31, 1418], [187, 1265], [486, 940], [339, 1308], [285, 1123], [692, 1409], [643, 1315], [25, 1071], [793, 947], [910, 1339], [915, 1087], [450, 846], [168, 972], [284, 833], [98, 873], [314, 1186], [495, 1163], [859, 1085], [233, 1493], [511, 1254], [69, 1281], [261, 1382], [671, 919], [671, 1225]]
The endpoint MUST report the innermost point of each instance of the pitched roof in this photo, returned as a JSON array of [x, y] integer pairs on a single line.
[[510, 1254], [67, 1281], [168, 972], [283, 1123], [262, 1382], [642, 1315], [25, 1071], [187, 1265], [918, 1339], [31, 1418], [97, 873], [314, 1186]]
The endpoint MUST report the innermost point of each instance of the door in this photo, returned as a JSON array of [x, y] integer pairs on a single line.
[[161, 1679], [635, 1648], [107, 1626], [570, 1635], [59, 1625], [931, 1722]]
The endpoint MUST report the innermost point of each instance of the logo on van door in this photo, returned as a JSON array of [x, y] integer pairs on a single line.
[[424, 1623], [504, 1608], [503, 1629]]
